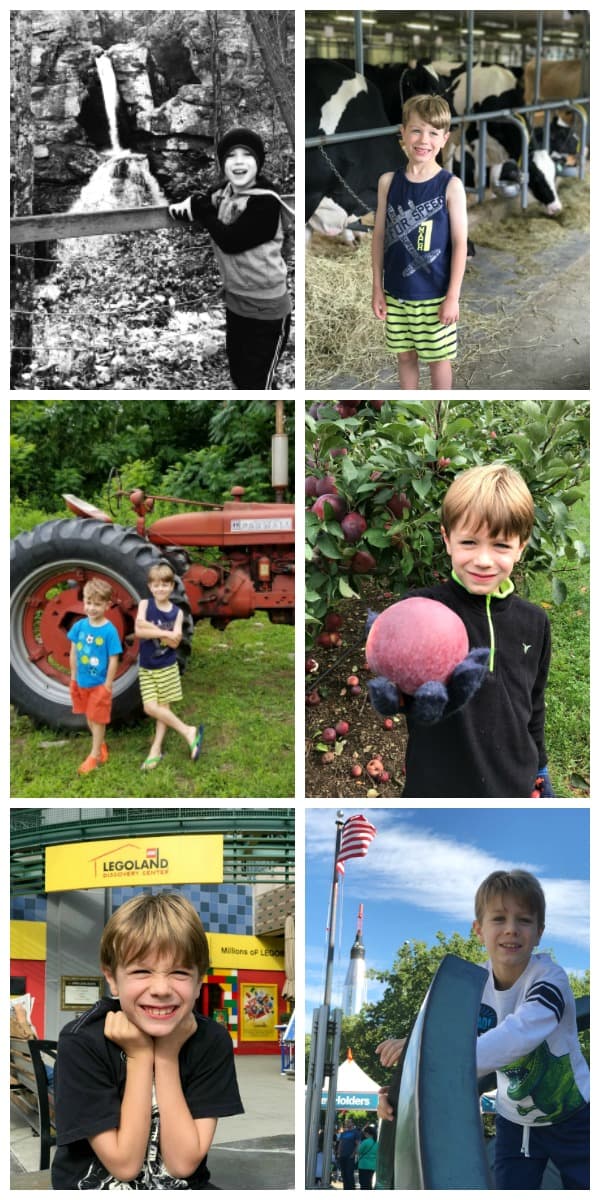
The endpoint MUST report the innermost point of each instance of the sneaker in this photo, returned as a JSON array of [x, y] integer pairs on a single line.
[[103, 753], [90, 764]]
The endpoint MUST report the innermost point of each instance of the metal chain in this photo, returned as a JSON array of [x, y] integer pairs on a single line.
[[341, 179]]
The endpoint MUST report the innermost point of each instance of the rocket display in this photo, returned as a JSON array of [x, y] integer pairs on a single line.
[[355, 986]]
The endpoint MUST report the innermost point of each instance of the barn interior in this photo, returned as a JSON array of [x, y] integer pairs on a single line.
[[528, 266], [388, 36]]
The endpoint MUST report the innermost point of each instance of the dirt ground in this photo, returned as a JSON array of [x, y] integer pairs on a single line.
[[521, 330], [367, 736]]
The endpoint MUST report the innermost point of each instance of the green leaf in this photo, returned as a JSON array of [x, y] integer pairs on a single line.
[[377, 537], [346, 590], [559, 590], [423, 486], [329, 547]]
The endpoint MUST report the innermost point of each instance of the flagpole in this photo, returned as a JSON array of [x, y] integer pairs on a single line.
[[324, 1050], [339, 820]]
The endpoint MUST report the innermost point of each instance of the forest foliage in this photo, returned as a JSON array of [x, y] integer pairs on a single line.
[[193, 449]]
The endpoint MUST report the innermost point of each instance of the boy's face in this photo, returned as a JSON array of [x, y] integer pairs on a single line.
[[510, 932], [155, 993], [94, 608], [161, 589], [421, 141], [240, 167], [480, 561]]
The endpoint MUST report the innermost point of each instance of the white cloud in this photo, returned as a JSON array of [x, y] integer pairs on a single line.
[[417, 865]]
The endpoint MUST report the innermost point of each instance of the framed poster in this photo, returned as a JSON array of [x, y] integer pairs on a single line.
[[79, 992], [258, 1012]]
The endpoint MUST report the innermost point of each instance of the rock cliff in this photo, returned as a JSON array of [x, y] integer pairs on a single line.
[[173, 71]]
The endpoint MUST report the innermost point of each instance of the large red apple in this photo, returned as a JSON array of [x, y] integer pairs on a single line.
[[414, 641]]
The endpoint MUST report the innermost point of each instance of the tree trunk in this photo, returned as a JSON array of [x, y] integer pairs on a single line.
[[267, 33], [22, 258], [215, 67]]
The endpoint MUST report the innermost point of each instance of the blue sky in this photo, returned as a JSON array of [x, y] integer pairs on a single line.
[[421, 873]]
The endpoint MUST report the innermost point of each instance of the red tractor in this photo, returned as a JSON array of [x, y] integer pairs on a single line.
[[249, 566]]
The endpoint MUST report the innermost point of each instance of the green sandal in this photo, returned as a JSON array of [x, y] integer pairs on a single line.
[[150, 763]]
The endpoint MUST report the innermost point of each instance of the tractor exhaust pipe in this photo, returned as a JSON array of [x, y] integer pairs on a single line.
[[279, 454]]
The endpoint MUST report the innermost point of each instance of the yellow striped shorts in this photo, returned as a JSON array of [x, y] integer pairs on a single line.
[[162, 685], [414, 325]]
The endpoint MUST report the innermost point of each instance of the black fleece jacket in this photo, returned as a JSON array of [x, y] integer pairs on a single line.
[[494, 746]]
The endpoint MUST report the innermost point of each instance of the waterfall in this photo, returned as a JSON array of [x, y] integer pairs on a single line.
[[108, 83]]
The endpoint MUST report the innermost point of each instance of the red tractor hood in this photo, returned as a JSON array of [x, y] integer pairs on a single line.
[[236, 524]]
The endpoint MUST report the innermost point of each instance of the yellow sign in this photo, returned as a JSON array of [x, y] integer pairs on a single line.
[[258, 1012], [28, 940], [245, 953], [191, 858]]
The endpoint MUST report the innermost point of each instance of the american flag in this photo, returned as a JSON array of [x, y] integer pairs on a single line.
[[357, 835]]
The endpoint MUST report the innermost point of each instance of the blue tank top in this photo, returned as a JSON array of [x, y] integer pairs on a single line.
[[417, 246], [153, 655]]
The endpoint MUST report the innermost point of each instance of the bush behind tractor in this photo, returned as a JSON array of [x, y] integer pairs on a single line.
[[230, 561]]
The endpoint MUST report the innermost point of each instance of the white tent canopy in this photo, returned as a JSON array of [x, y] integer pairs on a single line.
[[354, 1088]]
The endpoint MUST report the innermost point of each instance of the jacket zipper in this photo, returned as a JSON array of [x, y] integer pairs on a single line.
[[488, 609]]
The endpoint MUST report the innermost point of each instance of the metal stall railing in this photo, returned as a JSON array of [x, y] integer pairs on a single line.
[[511, 116]]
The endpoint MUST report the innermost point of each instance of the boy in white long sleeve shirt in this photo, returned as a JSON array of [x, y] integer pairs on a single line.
[[527, 1034]]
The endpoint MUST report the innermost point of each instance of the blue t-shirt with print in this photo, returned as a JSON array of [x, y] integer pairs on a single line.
[[94, 645]]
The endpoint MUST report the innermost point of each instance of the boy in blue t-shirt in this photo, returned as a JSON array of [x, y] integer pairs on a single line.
[[94, 659], [419, 248]]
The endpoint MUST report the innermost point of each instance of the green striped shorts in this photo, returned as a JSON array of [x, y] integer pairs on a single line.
[[414, 325], [162, 685]]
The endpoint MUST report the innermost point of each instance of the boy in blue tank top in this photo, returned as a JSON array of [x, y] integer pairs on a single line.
[[419, 248], [158, 625]]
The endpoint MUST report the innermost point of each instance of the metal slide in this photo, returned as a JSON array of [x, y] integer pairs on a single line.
[[436, 1140]]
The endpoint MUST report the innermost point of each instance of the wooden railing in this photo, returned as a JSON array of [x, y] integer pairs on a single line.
[[51, 226]]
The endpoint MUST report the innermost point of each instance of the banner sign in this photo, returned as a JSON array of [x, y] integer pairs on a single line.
[[245, 953], [185, 858]]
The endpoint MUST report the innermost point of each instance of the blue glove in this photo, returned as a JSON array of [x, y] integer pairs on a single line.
[[434, 701], [543, 786]]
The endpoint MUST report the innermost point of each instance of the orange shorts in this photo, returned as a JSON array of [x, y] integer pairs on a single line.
[[95, 702]]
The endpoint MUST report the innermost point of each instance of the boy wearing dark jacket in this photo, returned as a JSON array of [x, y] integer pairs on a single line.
[[243, 216], [492, 746]]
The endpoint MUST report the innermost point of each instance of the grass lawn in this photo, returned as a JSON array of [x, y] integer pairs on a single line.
[[567, 694], [239, 683]]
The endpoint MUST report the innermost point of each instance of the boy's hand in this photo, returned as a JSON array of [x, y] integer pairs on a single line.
[[384, 1109], [119, 1029], [542, 786], [389, 1051], [378, 304], [170, 1045], [182, 211], [448, 312]]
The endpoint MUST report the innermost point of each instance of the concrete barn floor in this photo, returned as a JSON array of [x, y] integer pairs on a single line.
[[535, 333]]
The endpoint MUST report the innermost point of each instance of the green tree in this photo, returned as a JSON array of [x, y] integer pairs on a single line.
[[406, 983], [393, 467], [192, 448]]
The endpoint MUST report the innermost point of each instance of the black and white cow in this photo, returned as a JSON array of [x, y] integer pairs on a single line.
[[494, 87], [338, 99]]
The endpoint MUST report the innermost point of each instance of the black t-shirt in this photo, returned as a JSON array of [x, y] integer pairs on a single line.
[[89, 1082]]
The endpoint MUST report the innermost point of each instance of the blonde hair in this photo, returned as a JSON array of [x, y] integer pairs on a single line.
[[494, 495], [164, 924], [162, 571], [520, 884], [432, 109], [98, 588]]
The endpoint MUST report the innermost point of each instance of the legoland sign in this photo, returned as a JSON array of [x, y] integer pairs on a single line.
[[197, 858]]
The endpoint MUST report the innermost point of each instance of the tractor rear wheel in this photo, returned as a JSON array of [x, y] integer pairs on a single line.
[[49, 567]]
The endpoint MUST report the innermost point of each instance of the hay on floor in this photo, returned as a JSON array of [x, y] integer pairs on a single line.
[[344, 340]]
